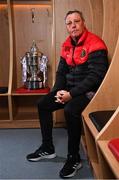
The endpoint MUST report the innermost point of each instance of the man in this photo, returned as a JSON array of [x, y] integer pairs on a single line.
[[82, 67]]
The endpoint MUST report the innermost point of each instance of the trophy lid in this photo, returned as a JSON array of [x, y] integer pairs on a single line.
[[34, 49]]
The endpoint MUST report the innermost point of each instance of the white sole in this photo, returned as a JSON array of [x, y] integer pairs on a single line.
[[74, 173], [43, 157]]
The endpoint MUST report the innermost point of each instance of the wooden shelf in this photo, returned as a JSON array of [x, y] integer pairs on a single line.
[[28, 94], [19, 124], [32, 2], [20, 109], [26, 116], [4, 94]]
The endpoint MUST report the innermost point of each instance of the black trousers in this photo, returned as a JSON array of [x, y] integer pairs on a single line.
[[72, 113]]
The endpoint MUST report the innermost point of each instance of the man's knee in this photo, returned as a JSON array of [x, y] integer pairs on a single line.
[[47, 102], [68, 109], [41, 102], [72, 111]]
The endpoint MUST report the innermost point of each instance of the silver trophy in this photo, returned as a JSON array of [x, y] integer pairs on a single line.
[[34, 69]]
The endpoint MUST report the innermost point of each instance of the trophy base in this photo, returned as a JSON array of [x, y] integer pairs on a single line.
[[23, 90], [34, 85]]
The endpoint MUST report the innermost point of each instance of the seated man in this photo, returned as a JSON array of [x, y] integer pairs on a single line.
[[82, 67]]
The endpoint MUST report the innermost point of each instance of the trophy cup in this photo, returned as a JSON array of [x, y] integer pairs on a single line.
[[34, 69]]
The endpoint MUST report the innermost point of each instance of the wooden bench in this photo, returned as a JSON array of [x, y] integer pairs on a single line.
[[109, 166], [105, 99]]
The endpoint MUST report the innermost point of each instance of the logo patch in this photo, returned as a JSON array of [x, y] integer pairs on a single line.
[[83, 53], [67, 48]]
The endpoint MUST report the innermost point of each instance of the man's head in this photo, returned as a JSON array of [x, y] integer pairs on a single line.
[[75, 23]]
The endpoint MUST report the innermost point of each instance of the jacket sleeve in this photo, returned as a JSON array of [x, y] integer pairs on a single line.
[[60, 82], [97, 68]]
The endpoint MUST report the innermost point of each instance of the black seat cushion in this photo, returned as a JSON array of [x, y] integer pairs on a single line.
[[3, 90], [100, 118]]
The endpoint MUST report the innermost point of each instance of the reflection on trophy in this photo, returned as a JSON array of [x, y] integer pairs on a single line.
[[34, 69]]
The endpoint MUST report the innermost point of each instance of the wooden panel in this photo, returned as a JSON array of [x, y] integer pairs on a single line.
[[24, 107], [4, 45], [25, 31], [4, 114], [107, 95], [97, 16], [111, 24]]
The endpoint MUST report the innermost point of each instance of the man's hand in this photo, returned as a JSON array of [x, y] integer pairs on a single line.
[[63, 96]]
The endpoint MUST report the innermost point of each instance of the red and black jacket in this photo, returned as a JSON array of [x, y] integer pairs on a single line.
[[82, 66]]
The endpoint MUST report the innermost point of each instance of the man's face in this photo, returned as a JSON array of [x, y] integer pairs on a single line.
[[75, 25]]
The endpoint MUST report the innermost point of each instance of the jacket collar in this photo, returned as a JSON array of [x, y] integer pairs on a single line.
[[68, 41]]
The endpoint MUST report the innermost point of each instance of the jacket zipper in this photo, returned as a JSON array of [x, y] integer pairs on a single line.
[[73, 56]]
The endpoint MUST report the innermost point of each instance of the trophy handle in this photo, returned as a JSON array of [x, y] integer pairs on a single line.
[[24, 69]]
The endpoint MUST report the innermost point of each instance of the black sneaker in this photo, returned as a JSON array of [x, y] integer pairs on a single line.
[[70, 167], [41, 153]]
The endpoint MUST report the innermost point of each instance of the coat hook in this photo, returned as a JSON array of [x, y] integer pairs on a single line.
[[33, 14], [47, 12]]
